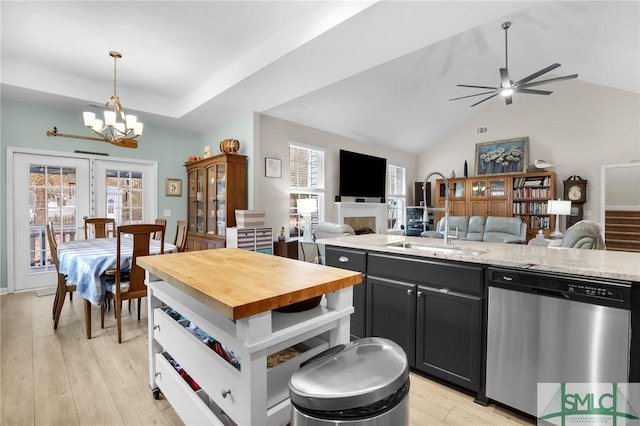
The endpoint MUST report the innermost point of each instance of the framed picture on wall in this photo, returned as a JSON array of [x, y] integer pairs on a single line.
[[505, 156], [173, 187], [273, 167]]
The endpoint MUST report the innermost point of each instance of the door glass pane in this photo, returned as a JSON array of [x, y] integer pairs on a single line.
[[52, 198], [124, 200]]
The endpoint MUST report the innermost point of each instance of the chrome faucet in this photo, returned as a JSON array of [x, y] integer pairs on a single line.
[[447, 239]]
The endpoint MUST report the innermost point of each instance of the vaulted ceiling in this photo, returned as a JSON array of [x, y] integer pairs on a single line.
[[379, 71]]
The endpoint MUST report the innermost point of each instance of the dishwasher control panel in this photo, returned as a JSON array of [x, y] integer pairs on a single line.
[[594, 290]]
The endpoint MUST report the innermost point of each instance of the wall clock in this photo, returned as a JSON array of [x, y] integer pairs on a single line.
[[575, 190]]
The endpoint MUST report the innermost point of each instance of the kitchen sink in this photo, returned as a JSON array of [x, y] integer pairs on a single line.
[[437, 248]]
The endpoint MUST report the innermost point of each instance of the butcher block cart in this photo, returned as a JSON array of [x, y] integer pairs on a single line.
[[219, 351]]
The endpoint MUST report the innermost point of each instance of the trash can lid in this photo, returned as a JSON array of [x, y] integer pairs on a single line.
[[349, 376]]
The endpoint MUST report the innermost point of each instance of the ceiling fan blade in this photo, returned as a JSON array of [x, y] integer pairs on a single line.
[[485, 99], [504, 78], [538, 74], [476, 87], [549, 80], [470, 96], [534, 92]]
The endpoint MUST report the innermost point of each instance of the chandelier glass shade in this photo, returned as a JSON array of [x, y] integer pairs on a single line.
[[117, 126]]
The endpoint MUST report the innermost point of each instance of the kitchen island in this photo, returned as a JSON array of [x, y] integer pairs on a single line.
[[452, 309], [589, 263], [212, 321]]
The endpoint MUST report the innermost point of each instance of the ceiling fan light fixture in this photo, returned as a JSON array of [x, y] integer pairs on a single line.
[[506, 91], [507, 87], [118, 126]]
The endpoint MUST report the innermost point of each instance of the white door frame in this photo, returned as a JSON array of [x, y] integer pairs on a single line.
[[11, 151]]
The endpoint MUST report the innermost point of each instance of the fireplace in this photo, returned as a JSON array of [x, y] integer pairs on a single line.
[[362, 225], [364, 216]]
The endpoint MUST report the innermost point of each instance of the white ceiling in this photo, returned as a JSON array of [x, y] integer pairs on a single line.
[[381, 72]]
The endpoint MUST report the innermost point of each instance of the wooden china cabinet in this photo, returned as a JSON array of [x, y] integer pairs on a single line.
[[488, 196], [217, 187]]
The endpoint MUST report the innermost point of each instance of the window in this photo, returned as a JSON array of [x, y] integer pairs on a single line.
[[306, 181], [397, 193], [124, 196]]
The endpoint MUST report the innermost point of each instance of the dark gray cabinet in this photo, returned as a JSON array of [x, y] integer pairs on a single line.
[[448, 336], [433, 309], [391, 313], [352, 260]]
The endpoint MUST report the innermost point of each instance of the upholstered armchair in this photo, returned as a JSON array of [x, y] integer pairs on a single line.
[[330, 230], [585, 234]]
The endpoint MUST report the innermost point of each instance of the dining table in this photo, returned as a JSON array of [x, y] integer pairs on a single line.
[[85, 263]]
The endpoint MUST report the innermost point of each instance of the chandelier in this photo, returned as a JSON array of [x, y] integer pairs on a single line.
[[118, 127]]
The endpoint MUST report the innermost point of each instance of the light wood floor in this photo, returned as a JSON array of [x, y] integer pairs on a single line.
[[59, 377]]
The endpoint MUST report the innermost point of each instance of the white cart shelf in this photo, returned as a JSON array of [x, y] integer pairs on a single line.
[[253, 395]]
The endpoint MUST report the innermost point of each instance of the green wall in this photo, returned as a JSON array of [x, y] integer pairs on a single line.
[[25, 125]]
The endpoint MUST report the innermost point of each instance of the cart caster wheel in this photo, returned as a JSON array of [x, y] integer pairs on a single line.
[[156, 394]]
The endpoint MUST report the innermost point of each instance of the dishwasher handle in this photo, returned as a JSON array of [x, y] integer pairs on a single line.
[[549, 292]]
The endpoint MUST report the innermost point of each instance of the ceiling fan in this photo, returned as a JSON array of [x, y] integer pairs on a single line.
[[507, 87]]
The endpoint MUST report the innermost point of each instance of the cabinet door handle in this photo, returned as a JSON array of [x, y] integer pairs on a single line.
[[225, 392], [419, 293], [343, 259], [410, 292]]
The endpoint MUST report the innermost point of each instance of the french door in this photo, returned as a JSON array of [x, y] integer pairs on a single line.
[[63, 188]]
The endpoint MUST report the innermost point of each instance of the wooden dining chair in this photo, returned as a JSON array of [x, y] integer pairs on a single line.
[[130, 286], [180, 240], [162, 222], [100, 226], [63, 287]]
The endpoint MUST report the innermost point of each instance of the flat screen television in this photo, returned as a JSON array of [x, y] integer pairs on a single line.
[[362, 175]]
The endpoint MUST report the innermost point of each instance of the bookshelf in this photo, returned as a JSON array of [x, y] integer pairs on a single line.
[[530, 195]]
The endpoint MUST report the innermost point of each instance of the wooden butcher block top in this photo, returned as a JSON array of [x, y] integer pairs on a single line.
[[239, 283]]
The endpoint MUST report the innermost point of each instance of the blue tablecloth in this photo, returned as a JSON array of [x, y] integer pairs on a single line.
[[84, 262]]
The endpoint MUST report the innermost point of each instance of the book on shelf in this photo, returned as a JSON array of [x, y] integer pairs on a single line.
[[532, 182]]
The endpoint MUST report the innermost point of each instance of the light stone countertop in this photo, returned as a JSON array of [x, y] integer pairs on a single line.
[[590, 263]]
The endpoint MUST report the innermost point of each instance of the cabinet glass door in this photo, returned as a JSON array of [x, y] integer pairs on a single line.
[[218, 196], [193, 185], [456, 188], [478, 188], [196, 188], [497, 188], [212, 202]]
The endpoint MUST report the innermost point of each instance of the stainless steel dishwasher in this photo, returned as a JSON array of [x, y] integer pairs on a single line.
[[548, 328]]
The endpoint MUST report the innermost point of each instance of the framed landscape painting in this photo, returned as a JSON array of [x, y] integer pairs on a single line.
[[506, 156]]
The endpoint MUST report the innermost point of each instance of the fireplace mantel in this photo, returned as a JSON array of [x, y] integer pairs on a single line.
[[377, 210]]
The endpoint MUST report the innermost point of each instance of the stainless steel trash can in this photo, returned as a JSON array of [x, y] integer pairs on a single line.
[[364, 382]]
